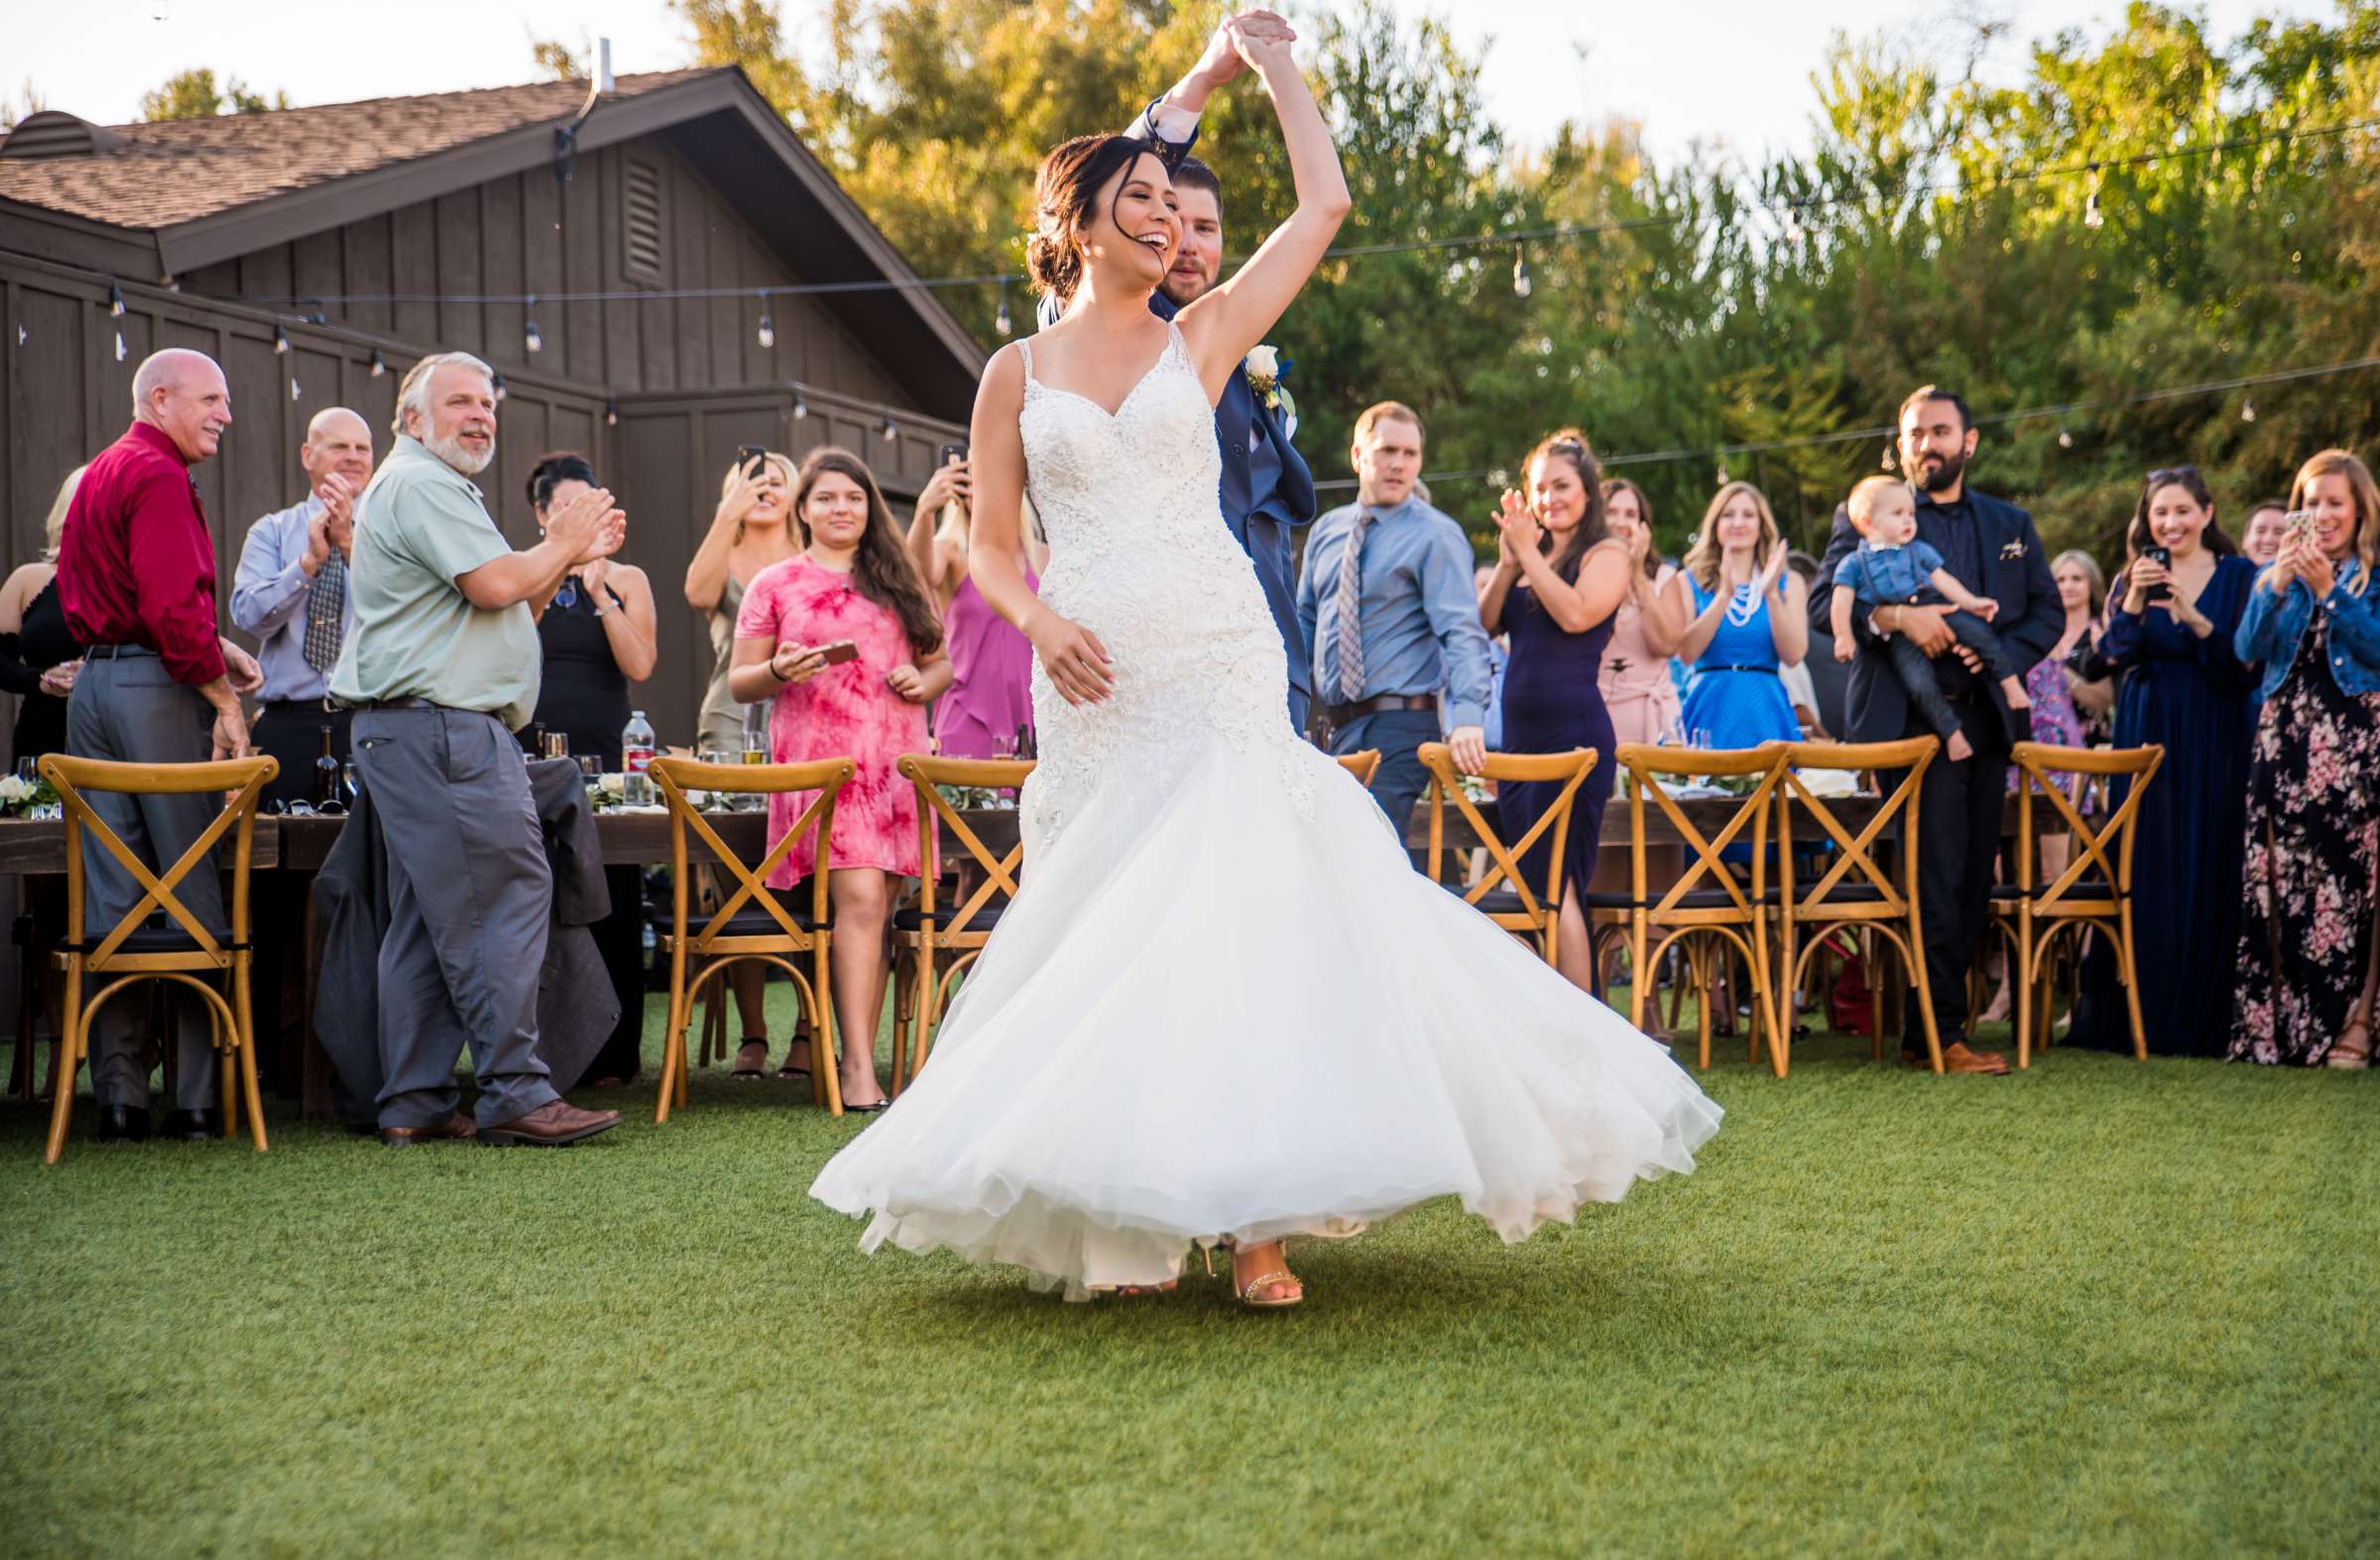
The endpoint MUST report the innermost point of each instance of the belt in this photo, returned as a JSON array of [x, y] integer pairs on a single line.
[[321, 706], [1766, 671], [1341, 714], [115, 651], [368, 706]]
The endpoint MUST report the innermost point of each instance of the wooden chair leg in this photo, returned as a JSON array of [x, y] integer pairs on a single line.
[[62, 1110], [826, 1073], [673, 1040], [901, 1019], [1703, 983], [2131, 969], [1780, 1033], [243, 1013], [2023, 979]]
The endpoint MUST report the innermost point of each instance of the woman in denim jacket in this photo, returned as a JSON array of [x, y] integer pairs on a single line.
[[2307, 960]]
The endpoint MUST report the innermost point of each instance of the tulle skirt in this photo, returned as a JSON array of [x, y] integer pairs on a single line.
[[1222, 1008]]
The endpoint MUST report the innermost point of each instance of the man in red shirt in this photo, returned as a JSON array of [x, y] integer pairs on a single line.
[[136, 575]]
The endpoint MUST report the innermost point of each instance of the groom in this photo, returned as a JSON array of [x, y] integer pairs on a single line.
[[1266, 489]]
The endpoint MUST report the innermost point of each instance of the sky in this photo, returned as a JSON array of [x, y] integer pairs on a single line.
[[1735, 72]]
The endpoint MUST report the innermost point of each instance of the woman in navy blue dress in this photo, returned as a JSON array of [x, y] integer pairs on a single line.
[[1559, 577], [2169, 626], [1746, 615]]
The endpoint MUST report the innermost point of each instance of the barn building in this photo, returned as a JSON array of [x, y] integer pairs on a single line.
[[316, 252]]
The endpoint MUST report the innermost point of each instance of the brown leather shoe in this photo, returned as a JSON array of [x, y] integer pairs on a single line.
[[550, 1126], [1956, 1057], [455, 1126]]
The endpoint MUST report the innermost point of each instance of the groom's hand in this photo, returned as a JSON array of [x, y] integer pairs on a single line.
[[1469, 745]]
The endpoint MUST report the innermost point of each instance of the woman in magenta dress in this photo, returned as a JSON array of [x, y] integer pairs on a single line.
[[852, 581], [1559, 578], [991, 698]]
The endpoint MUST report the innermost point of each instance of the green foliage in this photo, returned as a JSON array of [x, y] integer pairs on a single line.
[[1935, 231], [192, 95]]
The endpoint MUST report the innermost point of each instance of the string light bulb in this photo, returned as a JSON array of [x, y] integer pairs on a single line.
[[2093, 218], [380, 365], [801, 407], [1722, 473], [496, 382], [530, 337], [119, 346], [890, 432], [1522, 286], [611, 412], [2247, 412], [1886, 462], [293, 387], [1000, 321], [115, 301], [2066, 438], [281, 342], [767, 331]]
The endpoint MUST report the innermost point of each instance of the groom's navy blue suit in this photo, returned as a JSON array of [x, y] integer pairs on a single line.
[[1267, 490]]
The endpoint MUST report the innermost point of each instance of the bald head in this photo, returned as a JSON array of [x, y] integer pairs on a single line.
[[182, 395], [337, 441]]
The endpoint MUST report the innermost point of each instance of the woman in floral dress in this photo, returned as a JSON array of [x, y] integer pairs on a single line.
[[853, 582], [2306, 952]]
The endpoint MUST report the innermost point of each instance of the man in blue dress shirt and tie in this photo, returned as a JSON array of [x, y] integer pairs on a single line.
[[1386, 602], [291, 592]]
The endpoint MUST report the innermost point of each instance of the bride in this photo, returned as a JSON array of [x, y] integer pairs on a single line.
[[1223, 1007]]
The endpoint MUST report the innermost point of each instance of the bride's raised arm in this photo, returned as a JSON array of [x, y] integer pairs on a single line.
[[1221, 326]]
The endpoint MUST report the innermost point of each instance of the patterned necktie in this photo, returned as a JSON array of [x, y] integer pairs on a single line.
[[1349, 604], [325, 611]]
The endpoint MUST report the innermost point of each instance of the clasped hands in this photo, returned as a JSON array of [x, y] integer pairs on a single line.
[[587, 525], [1248, 41]]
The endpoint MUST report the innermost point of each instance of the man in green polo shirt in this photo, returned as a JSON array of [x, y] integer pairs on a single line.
[[443, 666]]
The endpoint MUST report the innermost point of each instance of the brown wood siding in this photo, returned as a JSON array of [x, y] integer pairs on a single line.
[[525, 233]]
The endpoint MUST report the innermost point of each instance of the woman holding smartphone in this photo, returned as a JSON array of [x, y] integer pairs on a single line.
[[2169, 625], [991, 695], [843, 637], [2305, 937]]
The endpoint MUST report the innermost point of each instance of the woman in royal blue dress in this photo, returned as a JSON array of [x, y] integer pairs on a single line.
[[1747, 616], [2169, 626], [1559, 577]]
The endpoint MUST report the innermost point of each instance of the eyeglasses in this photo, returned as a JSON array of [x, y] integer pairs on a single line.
[[2165, 474]]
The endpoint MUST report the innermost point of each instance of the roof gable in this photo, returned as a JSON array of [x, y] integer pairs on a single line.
[[179, 170]]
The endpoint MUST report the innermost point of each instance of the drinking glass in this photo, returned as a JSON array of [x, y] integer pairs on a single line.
[[557, 745], [591, 765], [30, 771]]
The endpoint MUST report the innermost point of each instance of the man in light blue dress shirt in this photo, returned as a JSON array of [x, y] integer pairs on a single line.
[[291, 592], [1387, 605]]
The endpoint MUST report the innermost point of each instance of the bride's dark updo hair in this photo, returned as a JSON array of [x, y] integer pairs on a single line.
[[1064, 196]]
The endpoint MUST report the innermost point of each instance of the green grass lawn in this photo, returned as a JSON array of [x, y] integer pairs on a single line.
[[2101, 1308]]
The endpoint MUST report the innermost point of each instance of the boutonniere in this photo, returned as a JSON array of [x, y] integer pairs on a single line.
[[2012, 550], [1267, 368]]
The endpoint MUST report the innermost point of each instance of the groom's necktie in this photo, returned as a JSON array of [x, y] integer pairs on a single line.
[[1350, 607]]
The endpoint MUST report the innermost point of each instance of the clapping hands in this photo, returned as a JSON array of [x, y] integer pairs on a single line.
[[587, 525], [1519, 532]]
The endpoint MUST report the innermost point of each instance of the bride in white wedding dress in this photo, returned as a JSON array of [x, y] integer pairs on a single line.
[[1222, 1006]]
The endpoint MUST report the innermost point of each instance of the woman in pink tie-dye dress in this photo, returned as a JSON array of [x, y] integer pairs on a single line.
[[852, 582]]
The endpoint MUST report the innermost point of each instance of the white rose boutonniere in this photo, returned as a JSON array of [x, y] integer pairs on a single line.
[[1265, 370]]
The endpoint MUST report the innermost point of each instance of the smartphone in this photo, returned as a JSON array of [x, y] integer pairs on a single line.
[[2298, 524], [2163, 557], [948, 454], [840, 652], [748, 458]]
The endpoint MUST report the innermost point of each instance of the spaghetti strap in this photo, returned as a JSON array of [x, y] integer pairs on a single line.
[[1024, 351]]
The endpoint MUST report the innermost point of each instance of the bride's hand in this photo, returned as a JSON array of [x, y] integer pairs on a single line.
[[1262, 38], [1077, 662]]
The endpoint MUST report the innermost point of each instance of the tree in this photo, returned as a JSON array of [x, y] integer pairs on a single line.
[[24, 105], [559, 60], [192, 94]]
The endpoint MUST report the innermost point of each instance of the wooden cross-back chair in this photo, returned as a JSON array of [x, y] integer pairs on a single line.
[[1707, 908], [181, 953], [2095, 893], [1855, 889], [1529, 913], [751, 924], [1363, 764], [937, 942]]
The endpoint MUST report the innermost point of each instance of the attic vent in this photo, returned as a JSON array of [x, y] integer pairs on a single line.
[[642, 229], [55, 133]]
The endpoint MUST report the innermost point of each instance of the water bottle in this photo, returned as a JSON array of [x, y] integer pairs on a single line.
[[635, 754]]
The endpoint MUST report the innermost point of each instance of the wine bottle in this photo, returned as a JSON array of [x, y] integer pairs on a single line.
[[326, 775]]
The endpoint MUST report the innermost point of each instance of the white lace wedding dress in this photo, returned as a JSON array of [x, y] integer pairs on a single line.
[[1223, 1003]]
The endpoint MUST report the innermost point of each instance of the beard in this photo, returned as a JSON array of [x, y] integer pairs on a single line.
[[455, 453], [1182, 291], [1935, 478]]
